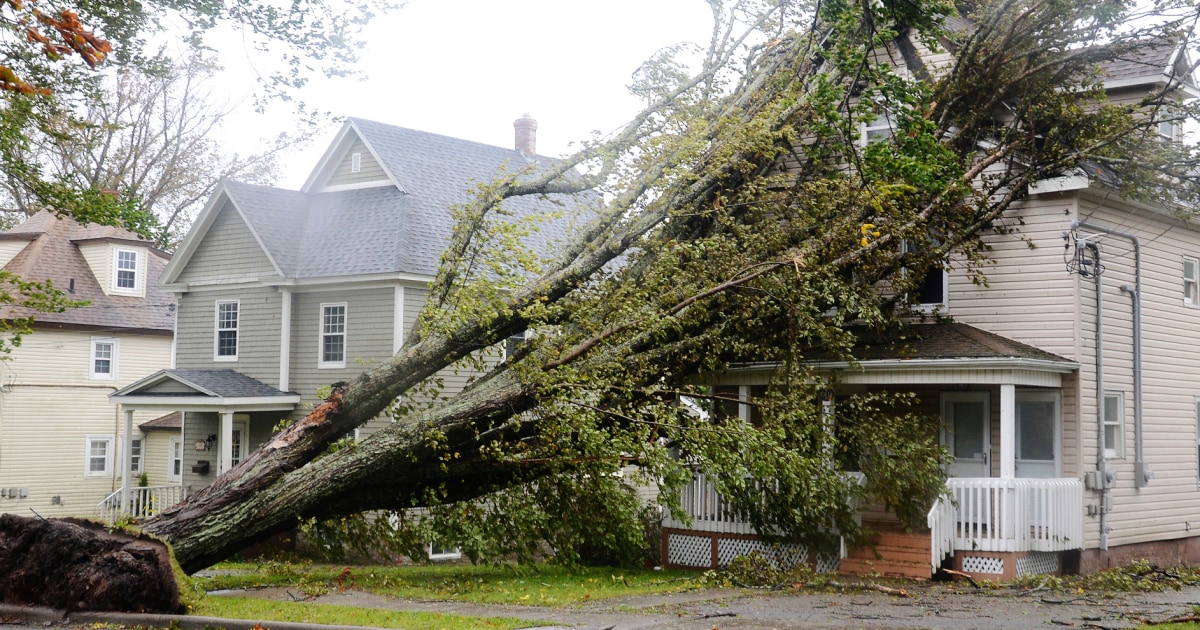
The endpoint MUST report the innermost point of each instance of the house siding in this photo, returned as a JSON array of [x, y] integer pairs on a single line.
[[370, 170], [259, 312], [49, 406], [228, 253], [10, 249]]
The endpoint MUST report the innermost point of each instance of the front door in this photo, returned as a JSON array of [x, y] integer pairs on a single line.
[[966, 433], [1037, 434]]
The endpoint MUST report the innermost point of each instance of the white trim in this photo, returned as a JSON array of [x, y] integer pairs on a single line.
[[138, 266], [185, 402], [375, 183], [1078, 180], [110, 444], [398, 320], [356, 162], [1054, 396], [1193, 282], [322, 364], [237, 330], [200, 228], [945, 398], [141, 467], [339, 281], [113, 359], [1116, 451], [285, 338]]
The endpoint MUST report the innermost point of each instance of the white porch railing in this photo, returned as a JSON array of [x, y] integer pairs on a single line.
[[710, 512], [1010, 515], [941, 531], [143, 502]]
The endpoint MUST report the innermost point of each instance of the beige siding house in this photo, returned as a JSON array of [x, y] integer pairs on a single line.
[[283, 293], [1068, 399], [60, 441]]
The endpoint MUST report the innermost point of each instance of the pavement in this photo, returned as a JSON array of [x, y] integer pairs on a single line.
[[934, 606]]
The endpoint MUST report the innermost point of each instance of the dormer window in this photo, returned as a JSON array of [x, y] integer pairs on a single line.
[[125, 271], [355, 162]]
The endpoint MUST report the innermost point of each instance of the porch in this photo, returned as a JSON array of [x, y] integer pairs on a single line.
[[143, 502], [994, 529]]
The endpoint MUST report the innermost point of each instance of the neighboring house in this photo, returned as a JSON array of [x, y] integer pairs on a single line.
[[1075, 428], [59, 437], [283, 293]]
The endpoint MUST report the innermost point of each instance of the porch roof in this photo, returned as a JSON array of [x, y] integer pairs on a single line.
[[938, 354], [221, 391]]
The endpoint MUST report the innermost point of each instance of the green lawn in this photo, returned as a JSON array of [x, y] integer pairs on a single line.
[[546, 585], [266, 611]]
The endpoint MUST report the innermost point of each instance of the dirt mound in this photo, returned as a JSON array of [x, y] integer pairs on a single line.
[[77, 565]]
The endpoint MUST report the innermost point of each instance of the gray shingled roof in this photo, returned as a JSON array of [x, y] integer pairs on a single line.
[[225, 383], [946, 341], [52, 254], [384, 229]]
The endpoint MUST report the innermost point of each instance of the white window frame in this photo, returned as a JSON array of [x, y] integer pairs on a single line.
[[1191, 284], [1117, 421], [1169, 130], [175, 445], [239, 450], [443, 553], [136, 289], [114, 351], [355, 162], [885, 121], [512, 343], [217, 330], [929, 307], [1198, 440], [322, 334], [108, 442], [137, 455]]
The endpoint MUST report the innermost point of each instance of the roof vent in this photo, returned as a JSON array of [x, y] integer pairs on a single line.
[[526, 135]]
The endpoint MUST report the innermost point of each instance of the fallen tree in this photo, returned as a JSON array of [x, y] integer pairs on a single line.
[[740, 220]]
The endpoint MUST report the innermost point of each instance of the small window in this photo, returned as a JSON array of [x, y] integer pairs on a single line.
[[1168, 129], [99, 455], [933, 290], [513, 344], [1198, 439], [227, 331], [878, 129], [175, 459], [135, 456], [355, 162], [1191, 281], [1114, 424], [125, 271], [104, 358], [333, 336], [438, 552]]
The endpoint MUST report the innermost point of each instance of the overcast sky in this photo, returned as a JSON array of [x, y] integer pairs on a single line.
[[469, 68]]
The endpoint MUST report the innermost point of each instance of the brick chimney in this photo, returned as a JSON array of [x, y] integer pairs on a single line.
[[526, 135]]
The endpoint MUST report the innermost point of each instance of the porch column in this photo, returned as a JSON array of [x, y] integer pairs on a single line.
[[126, 461], [1008, 431], [226, 442], [285, 339]]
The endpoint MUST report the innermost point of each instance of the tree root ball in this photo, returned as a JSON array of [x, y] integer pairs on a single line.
[[76, 565]]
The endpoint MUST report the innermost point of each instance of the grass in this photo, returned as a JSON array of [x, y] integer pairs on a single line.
[[267, 611], [544, 585]]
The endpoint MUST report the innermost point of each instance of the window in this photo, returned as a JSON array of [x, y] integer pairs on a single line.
[[878, 129], [355, 162], [1198, 439], [333, 336], [227, 331], [438, 552], [240, 432], [104, 358], [1168, 129], [175, 459], [514, 343], [135, 456], [1191, 281], [1114, 424], [932, 291], [125, 271], [99, 455]]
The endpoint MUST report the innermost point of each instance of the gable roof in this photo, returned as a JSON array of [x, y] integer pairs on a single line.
[[53, 254], [1157, 63], [399, 228], [203, 390]]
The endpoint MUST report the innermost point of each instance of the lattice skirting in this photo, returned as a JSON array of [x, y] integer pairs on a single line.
[[1039, 562], [983, 564], [696, 551]]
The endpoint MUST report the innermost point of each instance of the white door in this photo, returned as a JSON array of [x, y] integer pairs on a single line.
[[966, 433], [1037, 434]]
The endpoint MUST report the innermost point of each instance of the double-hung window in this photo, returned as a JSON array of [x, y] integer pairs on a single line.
[[175, 459], [1114, 424], [227, 331], [125, 271], [104, 358], [933, 290], [333, 336], [135, 456], [1191, 281], [98, 457]]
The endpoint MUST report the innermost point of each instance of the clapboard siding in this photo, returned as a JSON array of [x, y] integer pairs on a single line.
[[259, 312], [369, 169], [48, 408], [9, 250], [228, 252]]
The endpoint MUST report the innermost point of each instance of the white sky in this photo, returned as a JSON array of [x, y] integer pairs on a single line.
[[469, 68]]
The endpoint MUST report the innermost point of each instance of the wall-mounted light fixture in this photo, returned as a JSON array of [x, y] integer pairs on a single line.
[[207, 443]]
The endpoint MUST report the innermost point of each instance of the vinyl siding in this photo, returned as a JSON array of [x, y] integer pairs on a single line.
[[99, 258], [259, 310], [228, 253], [9, 250], [48, 408], [370, 170]]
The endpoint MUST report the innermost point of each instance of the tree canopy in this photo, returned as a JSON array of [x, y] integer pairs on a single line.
[[739, 218]]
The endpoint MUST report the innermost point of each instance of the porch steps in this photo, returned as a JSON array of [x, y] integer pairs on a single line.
[[891, 552]]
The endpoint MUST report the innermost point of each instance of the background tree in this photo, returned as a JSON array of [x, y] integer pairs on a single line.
[[706, 251], [148, 137]]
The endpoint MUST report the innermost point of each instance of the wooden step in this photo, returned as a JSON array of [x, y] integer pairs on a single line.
[[889, 553], [887, 567]]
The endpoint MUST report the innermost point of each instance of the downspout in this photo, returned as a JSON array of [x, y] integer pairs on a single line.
[[1141, 475]]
